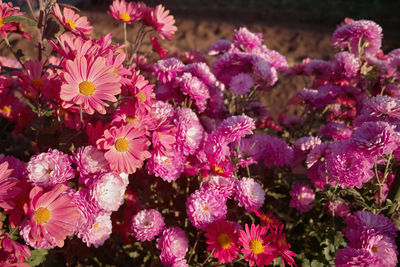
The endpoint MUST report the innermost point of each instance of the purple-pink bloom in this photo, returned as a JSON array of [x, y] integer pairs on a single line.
[[167, 69], [90, 160], [224, 185], [219, 47], [205, 206], [147, 224], [301, 197], [249, 194], [236, 127], [346, 65], [173, 244], [245, 40], [241, 84]]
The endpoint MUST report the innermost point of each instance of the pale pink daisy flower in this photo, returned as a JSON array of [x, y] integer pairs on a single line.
[[161, 21], [222, 240], [249, 194], [50, 168], [107, 192], [204, 206], [147, 224], [127, 12], [88, 82], [241, 84], [99, 232], [257, 248], [301, 197], [50, 219], [173, 244], [71, 21], [126, 148]]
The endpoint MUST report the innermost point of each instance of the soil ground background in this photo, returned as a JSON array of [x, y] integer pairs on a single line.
[[295, 28]]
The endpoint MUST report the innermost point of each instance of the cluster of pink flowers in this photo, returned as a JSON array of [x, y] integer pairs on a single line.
[[122, 145]]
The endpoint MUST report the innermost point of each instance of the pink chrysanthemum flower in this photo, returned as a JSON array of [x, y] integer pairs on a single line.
[[167, 69], [366, 220], [147, 224], [275, 152], [87, 210], [126, 148], [50, 219], [195, 88], [269, 219], [301, 197], [249, 194], [339, 208], [8, 10], [161, 21], [306, 144], [246, 40], [71, 21], [88, 83], [257, 248], [220, 47], [107, 192], [355, 257], [90, 160], [205, 206], [163, 138], [168, 167], [346, 65], [12, 252], [376, 138], [50, 168], [335, 131], [127, 12], [99, 231], [190, 133], [382, 107], [222, 240], [236, 127], [282, 247], [173, 244], [349, 35], [224, 185], [350, 168], [241, 84]]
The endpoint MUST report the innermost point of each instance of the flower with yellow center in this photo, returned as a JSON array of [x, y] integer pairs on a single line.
[[121, 144], [87, 88], [125, 17], [38, 82], [70, 23], [41, 215], [224, 240], [130, 119], [1, 22], [256, 246]]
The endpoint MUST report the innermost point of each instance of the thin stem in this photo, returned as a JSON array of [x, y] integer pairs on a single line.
[[206, 260], [13, 52], [194, 247], [28, 2], [125, 38]]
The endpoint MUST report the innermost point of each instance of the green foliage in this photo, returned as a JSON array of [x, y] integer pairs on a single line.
[[38, 256]]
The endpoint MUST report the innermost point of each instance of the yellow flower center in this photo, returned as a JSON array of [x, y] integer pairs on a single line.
[[37, 82], [374, 249], [224, 240], [218, 169], [121, 144], [159, 135], [87, 88], [125, 17], [6, 110], [141, 96], [256, 246], [49, 170], [71, 24], [130, 119], [116, 70], [41, 216], [146, 223], [1, 22], [95, 226]]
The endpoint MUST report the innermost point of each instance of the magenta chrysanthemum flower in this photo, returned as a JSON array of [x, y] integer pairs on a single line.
[[87, 83], [18, 166], [12, 252], [355, 257], [264, 70], [160, 19], [346, 65], [349, 35], [196, 89], [301, 197], [241, 84], [99, 231], [147, 224], [168, 167], [50, 218], [167, 69], [107, 192], [249, 194], [316, 166], [256, 245], [8, 10], [246, 40], [50, 168], [190, 132], [366, 220], [224, 185], [236, 127], [306, 144], [339, 208], [348, 167], [222, 240], [382, 107], [126, 148], [219, 47], [71, 21], [90, 160], [275, 152], [375, 138], [321, 69], [336, 131], [87, 210], [173, 244], [205, 206], [126, 12]]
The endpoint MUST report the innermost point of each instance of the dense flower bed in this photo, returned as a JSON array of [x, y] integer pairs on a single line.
[[176, 162]]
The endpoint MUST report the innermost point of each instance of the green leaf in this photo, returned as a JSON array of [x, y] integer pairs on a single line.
[[37, 257], [30, 22], [316, 263]]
